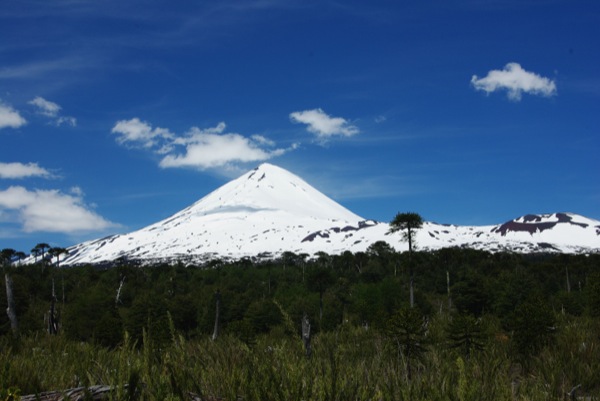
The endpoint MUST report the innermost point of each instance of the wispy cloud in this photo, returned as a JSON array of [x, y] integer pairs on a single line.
[[75, 51], [20, 170], [51, 211], [42, 68], [262, 140], [9, 117], [52, 110], [323, 125], [358, 186], [515, 80], [589, 86], [198, 148]]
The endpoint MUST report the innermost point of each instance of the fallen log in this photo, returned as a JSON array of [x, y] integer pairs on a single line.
[[95, 393], [99, 393]]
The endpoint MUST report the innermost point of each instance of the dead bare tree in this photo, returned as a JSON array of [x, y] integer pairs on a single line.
[[448, 289], [306, 335], [52, 316], [118, 297], [10, 310], [217, 313]]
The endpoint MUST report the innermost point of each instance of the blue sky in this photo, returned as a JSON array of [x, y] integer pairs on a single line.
[[116, 114]]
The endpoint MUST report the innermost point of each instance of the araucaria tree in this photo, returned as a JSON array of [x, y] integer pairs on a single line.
[[464, 332], [40, 249], [408, 223], [407, 330], [56, 252]]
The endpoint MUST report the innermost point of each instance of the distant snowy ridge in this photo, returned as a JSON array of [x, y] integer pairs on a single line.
[[557, 232], [269, 210]]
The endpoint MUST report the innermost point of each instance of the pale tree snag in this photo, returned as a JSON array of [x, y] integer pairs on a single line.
[[10, 310], [52, 318], [448, 289], [306, 335], [217, 313], [118, 297]]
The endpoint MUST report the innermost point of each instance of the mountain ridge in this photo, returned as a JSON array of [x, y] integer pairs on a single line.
[[268, 211]]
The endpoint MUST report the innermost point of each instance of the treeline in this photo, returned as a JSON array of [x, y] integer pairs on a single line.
[[467, 303], [363, 289]]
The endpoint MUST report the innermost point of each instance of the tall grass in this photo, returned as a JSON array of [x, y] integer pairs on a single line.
[[348, 364]]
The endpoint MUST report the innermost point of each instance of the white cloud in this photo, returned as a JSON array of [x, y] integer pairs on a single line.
[[9, 117], [51, 211], [72, 121], [77, 191], [52, 110], [210, 148], [198, 148], [45, 107], [20, 170], [195, 133], [141, 134], [514, 79], [322, 125]]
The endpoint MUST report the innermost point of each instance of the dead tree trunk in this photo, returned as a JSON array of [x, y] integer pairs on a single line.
[[411, 271], [118, 297], [52, 318], [448, 288], [10, 310], [306, 335], [320, 308], [217, 315]]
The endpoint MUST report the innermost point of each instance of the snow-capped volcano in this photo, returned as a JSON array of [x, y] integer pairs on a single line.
[[269, 210], [269, 188], [266, 211]]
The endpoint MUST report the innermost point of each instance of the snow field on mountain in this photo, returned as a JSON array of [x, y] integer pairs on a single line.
[[269, 210]]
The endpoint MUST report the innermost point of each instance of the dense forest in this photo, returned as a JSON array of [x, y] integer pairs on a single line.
[[334, 327]]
